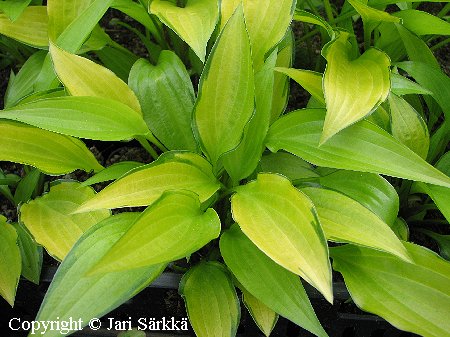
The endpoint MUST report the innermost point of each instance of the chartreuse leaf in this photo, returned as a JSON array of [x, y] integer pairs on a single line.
[[29, 28], [264, 317], [401, 229], [423, 23], [84, 117], [211, 301], [83, 77], [112, 172], [194, 23], [167, 98], [13, 8], [304, 16], [10, 261], [31, 254], [226, 100], [360, 147], [49, 152], [402, 86], [281, 291], [172, 171], [282, 222], [369, 189], [62, 13], [171, 228], [353, 87], [443, 242], [227, 8], [72, 294], [243, 160], [410, 296], [407, 126], [311, 81], [288, 165], [346, 220], [50, 220]]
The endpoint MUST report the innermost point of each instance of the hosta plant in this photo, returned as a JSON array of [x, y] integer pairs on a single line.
[[243, 197]]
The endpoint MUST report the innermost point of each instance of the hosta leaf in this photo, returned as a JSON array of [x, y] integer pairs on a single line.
[[292, 167], [227, 8], [194, 23], [62, 13], [311, 81], [264, 317], [31, 253], [353, 88], [172, 171], [167, 99], [408, 126], [411, 296], [50, 220], [402, 86], [22, 84], [226, 100], [371, 17], [27, 186], [13, 8], [112, 172], [401, 229], [84, 117], [282, 291], [49, 152], [72, 294], [10, 261], [83, 77], [132, 333], [243, 160], [173, 227], [304, 16], [282, 222], [369, 189], [360, 147], [139, 12], [30, 28], [211, 300], [423, 23], [345, 220], [443, 243]]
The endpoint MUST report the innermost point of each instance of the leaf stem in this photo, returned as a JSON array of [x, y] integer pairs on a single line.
[[150, 137], [440, 44], [443, 12], [328, 11], [145, 144]]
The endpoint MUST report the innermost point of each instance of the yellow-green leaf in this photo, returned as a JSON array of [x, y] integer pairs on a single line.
[[13, 8], [194, 23], [211, 301], [31, 253], [264, 317], [50, 152], [50, 220], [62, 13], [283, 223], [353, 87], [141, 187], [83, 77], [310, 80], [30, 28], [226, 100], [10, 261]]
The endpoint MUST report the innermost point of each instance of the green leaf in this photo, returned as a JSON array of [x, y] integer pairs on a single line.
[[113, 172], [282, 291], [22, 84], [410, 296], [211, 300], [345, 220], [443, 242], [422, 23], [141, 187], [167, 99], [50, 220], [408, 127], [49, 152], [311, 81], [171, 228], [13, 8], [31, 253], [264, 317], [30, 28], [27, 186], [71, 294], [371, 17], [138, 12], [353, 87], [226, 100], [194, 23], [132, 333], [292, 167], [83, 77], [84, 117], [10, 261], [118, 60], [360, 147], [242, 161], [282, 222], [402, 86], [369, 189], [401, 229], [304, 16], [62, 13]]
